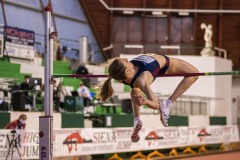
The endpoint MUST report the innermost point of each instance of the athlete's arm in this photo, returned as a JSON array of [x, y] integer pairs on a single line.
[[135, 103], [151, 99]]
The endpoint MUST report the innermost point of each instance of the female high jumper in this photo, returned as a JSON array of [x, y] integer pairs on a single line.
[[139, 73]]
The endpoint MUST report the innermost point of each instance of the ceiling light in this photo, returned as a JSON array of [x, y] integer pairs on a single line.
[[128, 12], [183, 13], [157, 13]]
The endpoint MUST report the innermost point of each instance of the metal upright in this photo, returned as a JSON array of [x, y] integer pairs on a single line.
[[46, 121]]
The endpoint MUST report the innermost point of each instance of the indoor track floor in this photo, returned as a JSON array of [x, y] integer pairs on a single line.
[[221, 156]]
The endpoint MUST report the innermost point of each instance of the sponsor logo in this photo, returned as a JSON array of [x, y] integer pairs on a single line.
[[152, 136], [203, 133], [73, 140]]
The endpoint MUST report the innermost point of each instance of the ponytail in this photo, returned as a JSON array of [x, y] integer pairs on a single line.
[[116, 71], [104, 90]]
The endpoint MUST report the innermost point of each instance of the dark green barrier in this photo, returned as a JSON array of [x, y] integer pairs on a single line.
[[72, 120], [119, 120], [112, 120], [73, 103], [5, 119], [218, 121], [178, 121]]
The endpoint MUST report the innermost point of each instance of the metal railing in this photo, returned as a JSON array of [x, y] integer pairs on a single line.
[[180, 48], [220, 51]]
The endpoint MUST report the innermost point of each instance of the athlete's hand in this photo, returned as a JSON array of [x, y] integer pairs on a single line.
[[140, 100]]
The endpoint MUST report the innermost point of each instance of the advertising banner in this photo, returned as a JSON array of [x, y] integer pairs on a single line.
[[90, 141], [19, 36], [19, 51]]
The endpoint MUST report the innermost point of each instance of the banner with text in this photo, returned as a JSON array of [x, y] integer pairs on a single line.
[[89, 141], [19, 51], [19, 36]]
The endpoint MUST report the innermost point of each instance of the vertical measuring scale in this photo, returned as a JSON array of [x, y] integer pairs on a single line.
[[46, 121]]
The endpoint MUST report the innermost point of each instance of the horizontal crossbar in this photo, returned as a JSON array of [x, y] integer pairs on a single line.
[[160, 75]]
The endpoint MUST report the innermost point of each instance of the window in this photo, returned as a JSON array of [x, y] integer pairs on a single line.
[[184, 107]]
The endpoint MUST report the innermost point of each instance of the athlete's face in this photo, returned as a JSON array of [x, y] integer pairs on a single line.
[[128, 66], [125, 63]]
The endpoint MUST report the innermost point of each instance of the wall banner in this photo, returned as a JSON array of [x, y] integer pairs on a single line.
[[19, 36], [19, 51], [90, 141]]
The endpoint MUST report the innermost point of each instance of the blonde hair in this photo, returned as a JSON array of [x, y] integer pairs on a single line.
[[104, 89]]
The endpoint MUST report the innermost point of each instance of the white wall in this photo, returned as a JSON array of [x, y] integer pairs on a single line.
[[223, 89], [198, 120], [236, 87], [93, 69], [34, 70], [151, 120], [32, 121], [236, 99]]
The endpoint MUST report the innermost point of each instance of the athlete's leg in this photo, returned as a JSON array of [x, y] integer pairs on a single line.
[[137, 121], [180, 66], [177, 66]]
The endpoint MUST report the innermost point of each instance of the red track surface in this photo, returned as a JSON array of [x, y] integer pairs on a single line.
[[221, 156]]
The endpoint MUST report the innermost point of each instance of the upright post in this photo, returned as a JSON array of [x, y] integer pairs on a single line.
[[45, 122], [83, 50]]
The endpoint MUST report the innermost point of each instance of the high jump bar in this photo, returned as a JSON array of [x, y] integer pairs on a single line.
[[160, 75]]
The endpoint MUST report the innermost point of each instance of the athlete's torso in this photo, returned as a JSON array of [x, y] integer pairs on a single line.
[[146, 63]]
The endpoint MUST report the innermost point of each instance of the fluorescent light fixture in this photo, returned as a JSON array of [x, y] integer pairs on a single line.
[[157, 13], [133, 46], [183, 13], [169, 47], [108, 47], [128, 12]]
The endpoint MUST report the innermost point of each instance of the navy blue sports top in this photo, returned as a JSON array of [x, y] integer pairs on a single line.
[[148, 63]]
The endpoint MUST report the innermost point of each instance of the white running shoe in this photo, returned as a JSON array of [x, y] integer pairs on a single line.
[[137, 127], [164, 108]]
